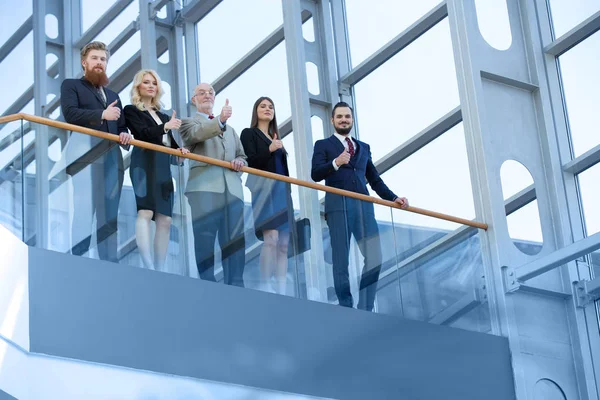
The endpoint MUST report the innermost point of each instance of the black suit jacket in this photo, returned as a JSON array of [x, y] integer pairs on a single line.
[[144, 127], [353, 176], [82, 105], [256, 146]]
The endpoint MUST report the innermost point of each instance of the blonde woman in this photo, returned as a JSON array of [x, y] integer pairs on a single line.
[[150, 171]]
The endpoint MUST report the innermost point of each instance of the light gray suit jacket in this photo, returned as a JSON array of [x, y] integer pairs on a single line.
[[202, 136]]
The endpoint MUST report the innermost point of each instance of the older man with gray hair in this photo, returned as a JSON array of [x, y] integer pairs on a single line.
[[215, 194]]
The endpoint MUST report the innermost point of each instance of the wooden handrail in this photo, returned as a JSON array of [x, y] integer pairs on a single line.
[[254, 171]]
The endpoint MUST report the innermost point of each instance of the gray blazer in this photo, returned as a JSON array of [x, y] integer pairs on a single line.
[[202, 136]]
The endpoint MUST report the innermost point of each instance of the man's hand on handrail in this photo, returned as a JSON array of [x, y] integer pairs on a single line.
[[402, 201]]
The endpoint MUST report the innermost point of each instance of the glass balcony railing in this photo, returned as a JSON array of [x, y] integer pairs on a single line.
[[72, 190]]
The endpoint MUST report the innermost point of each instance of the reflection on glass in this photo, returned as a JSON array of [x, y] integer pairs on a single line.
[[380, 21], [85, 195], [441, 284], [567, 14], [436, 178], [360, 246], [248, 32], [11, 179], [416, 87], [581, 84], [370, 263]]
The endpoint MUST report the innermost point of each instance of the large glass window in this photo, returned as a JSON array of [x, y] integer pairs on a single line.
[[407, 93], [13, 88], [436, 178], [91, 10], [568, 14], [371, 24], [581, 84], [12, 19], [260, 80], [590, 198], [226, 34]]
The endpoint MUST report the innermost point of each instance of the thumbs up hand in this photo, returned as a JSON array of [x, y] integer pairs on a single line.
[[275, 144], [343, 158], [225, 112], [174, 123], [112, 112]]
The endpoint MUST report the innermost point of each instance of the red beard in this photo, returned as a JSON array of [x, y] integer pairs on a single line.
[[96, 78]]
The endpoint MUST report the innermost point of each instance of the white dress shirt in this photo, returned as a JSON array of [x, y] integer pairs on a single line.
[[166, 140]]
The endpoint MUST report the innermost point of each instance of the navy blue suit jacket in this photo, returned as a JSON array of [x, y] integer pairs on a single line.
[[82, 105], [353, 176]]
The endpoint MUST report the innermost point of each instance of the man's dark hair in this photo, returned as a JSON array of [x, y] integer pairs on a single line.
[[342, 104]]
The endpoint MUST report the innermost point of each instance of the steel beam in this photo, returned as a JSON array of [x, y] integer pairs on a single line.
[[253, 56], [147, 36], [583, 162], [20, 103], [400, 42], [558, 258], [196, 10], [575, 36], [101, 23], [16, 38], [520, 199], [453, 312], [420, 140]]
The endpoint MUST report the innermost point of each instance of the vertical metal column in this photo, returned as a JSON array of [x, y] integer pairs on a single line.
[[148, 34], [342, 51], [507, 116], [303, 142], [584, 320], [41, 132]]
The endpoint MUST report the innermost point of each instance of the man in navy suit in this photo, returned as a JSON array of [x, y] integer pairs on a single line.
[[95, 165], [345, 163]]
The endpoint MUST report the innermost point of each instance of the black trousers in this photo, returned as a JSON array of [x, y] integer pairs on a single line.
[[97, 190], [357, 219], [219, 215]]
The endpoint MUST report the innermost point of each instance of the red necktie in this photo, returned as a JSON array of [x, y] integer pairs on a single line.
[[350, 147], [211, 116]]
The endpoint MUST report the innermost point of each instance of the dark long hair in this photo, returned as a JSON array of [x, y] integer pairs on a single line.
[[272, 125]]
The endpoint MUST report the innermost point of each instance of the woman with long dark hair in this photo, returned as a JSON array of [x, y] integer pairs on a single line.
[[271, 199]]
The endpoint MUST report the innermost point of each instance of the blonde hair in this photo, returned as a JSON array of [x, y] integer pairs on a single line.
[[93, 46], [136, 98]]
